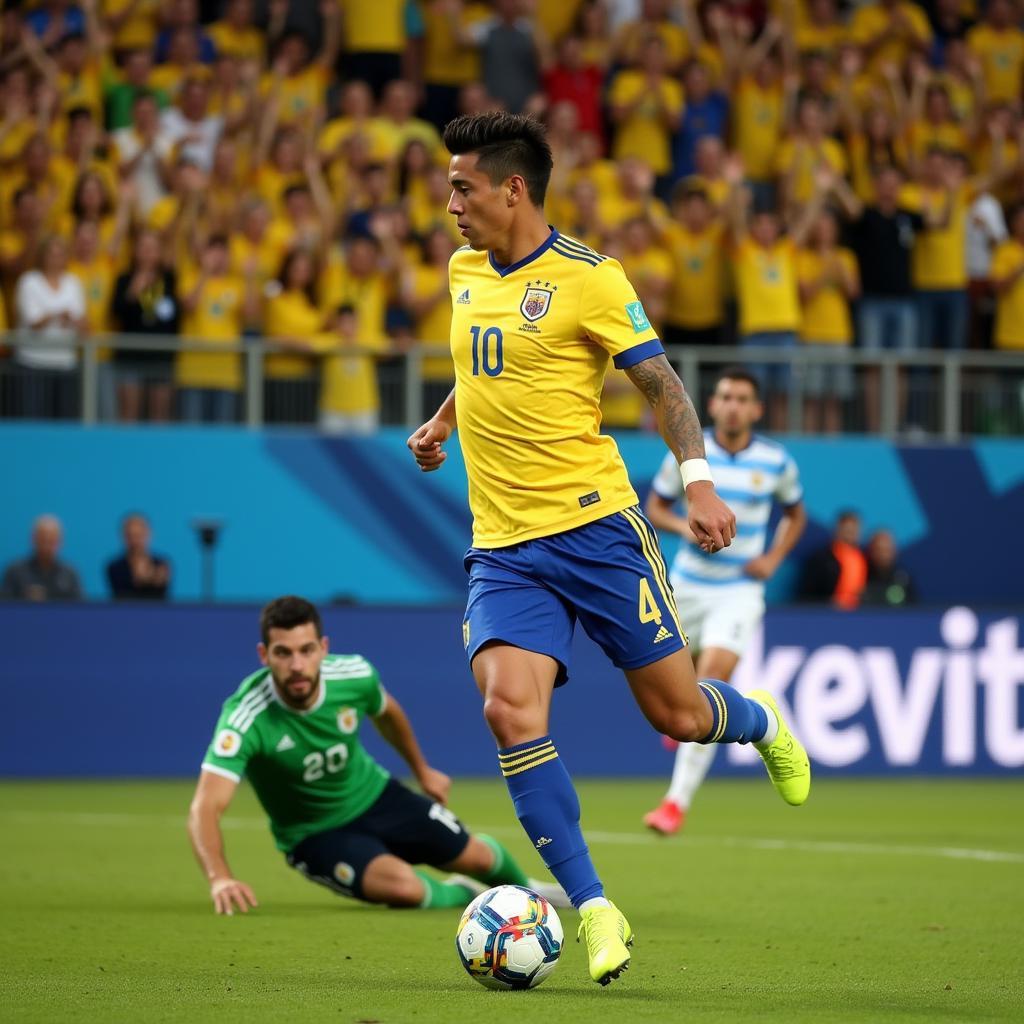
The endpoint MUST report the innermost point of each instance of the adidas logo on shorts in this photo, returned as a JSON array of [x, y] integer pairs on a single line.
[[662, 634]]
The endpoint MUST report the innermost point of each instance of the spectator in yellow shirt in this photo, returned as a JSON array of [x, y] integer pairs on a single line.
[[349, 398], [695, 238], [376, 39], [654, 20], [810, 148], [292, 319], [998, 43], [235, 35], [216, 306], [932, 122], [829, 281], [450, 59], [427, 297], [764, 261], [1007, 274], [646, 107], [758, 110], [889, 31]]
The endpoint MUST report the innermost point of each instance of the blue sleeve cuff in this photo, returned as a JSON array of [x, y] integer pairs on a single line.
[[638, 353]]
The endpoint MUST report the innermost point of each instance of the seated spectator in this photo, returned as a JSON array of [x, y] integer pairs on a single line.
[[888, 582], [137, 574], [838, 572], [145, 302], [42, 576], [50, 304]]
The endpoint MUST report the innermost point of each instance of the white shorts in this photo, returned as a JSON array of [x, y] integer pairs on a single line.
[[724, 617]]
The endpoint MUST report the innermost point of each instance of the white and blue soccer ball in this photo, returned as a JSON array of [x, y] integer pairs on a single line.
[[509, 938]]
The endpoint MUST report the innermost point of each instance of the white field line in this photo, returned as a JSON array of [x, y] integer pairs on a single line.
[[116, 820]]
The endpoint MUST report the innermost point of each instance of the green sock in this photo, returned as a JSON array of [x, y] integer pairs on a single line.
[[443, 894], [505, 870]]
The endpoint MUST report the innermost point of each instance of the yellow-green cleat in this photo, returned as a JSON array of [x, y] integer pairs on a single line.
[[785, 758], [608, 938]]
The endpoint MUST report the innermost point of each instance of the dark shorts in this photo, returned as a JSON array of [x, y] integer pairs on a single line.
[[609, 574], [401, 822]]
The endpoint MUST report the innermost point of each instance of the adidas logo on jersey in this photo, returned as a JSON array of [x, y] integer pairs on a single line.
[[543, 841], [464, 298], [286, 743], [662, 634]]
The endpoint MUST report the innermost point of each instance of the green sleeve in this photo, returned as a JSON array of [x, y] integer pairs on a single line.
[[230, 749]]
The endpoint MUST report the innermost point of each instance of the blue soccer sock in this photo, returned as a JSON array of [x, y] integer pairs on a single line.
[[736, 719], [549, 810]]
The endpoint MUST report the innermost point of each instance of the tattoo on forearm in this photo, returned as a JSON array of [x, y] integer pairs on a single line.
[[678, 422]]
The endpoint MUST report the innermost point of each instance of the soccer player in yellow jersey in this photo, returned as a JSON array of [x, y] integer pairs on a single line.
[[558, 534]]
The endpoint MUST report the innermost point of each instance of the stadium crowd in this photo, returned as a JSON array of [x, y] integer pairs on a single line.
[[789, 173]]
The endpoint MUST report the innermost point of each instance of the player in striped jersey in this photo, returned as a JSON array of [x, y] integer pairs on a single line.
[[721, 596], [337, 815]]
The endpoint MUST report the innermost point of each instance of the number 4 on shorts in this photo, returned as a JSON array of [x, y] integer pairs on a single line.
[[649, 610]]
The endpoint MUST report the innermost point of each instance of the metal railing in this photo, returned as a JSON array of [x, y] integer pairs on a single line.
[[943, 395]]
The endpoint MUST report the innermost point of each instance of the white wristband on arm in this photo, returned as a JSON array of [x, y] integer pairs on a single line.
[[694, 470]]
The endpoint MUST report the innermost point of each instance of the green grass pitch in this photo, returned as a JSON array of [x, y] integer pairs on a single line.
[[878, 901]]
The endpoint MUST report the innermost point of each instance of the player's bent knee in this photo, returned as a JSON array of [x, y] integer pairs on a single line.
[[512, 722], [391, 881]]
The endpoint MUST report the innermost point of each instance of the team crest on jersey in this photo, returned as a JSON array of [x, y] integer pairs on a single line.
[[348, 720], [344, 873], [536, 303], [227, 743], [756, 480]]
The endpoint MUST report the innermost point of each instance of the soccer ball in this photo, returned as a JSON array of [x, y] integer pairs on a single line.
[[509, 937]]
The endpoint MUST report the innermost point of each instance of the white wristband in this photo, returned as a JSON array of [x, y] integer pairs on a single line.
[[694, 470]]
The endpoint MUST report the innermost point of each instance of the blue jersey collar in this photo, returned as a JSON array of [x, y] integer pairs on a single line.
[[519, 264]]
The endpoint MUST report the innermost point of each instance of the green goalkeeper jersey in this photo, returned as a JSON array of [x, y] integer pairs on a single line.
[[308, 768]]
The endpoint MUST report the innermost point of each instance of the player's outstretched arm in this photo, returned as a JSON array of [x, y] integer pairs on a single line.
[[426, 442], [211, 799], [394, 725], [710, 518]]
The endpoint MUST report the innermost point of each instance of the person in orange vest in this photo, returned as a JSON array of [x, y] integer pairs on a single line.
[[838, 572]]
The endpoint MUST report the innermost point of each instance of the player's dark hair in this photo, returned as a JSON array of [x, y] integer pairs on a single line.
[[846, 514], [505, 144], [287, 613], [742, 374]]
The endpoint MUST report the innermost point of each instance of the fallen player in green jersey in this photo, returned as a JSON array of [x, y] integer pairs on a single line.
[[338, 816]]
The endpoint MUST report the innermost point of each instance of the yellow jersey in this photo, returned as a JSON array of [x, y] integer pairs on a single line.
[[871, 20], [826, 315], [939, 259], [531, 344], [1001, 53], [377, 27], [217, 320], [766, 287], [447, 60], [434, 327], [696, 298], [800, 159], [1009, 328], [643, 133], [757, 126]]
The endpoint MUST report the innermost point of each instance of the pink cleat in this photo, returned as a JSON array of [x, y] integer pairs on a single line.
[[667, 819]]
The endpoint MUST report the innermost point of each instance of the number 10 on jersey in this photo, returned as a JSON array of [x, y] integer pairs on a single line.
[[487, 351]]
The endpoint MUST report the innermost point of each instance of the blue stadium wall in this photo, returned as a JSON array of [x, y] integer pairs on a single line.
[[355, 519], [99, 690]]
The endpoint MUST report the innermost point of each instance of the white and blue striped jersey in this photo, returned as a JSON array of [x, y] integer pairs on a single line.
[[749, 482]]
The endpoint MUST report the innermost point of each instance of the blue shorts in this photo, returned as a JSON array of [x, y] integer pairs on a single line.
[[609, 574]]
